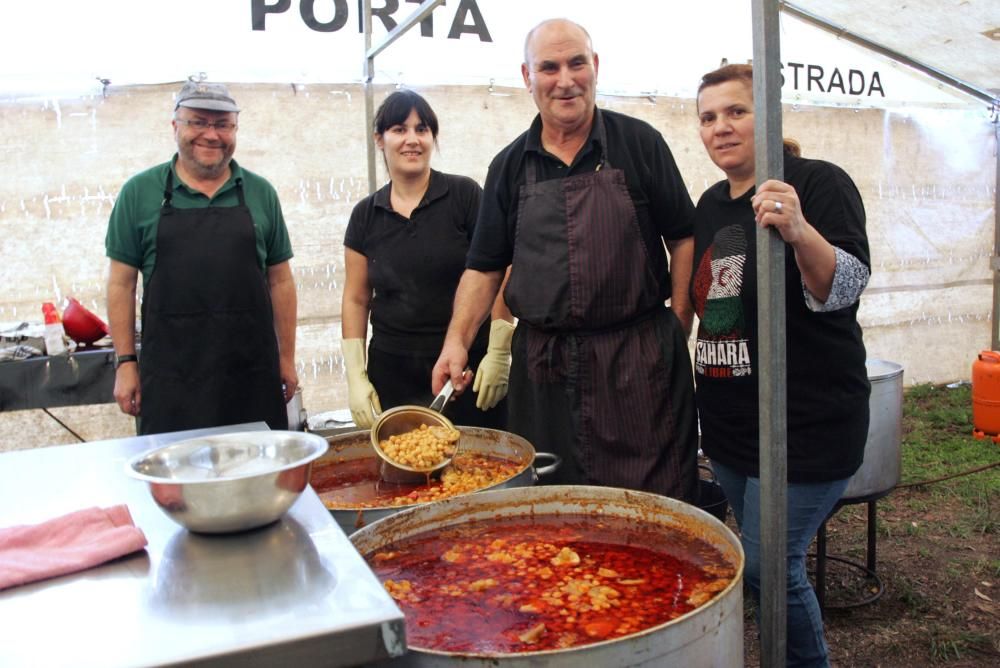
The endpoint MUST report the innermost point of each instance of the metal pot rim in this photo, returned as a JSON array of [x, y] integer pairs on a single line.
[[565, 494], [525, 465], [317, 448]]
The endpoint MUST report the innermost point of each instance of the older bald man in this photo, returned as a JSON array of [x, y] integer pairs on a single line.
[[580, 206]]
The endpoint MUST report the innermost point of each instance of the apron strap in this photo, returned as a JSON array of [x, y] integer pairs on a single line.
[[530, 170], [168, 191], [239, 191]]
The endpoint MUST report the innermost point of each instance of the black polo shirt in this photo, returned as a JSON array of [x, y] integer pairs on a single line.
[[414, 264], [663, 205]]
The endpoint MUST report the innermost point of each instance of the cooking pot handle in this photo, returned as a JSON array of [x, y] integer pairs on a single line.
[[550, 468]]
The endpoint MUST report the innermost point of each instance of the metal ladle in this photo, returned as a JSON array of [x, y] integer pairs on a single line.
[[403, 419]]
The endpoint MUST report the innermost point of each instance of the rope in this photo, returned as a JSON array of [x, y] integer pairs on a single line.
[[949, 477], [64, 426]]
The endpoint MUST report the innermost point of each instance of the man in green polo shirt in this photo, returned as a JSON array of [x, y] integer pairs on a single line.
[[219, 304]]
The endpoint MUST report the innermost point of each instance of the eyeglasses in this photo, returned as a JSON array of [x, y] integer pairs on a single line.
[[222, 127]]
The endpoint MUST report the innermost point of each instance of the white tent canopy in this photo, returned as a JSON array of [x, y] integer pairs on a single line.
[[76, 123], [652, 47], [959, 37]]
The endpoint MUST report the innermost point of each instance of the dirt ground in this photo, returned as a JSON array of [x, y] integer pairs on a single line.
[[939, 562]]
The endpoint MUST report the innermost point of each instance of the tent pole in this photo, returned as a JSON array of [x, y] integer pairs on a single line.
[[425, 8], [418, 15], [772, 379], [369, 97], [995, 260]]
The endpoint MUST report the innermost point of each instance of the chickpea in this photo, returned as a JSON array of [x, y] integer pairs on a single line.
[[421, 448]]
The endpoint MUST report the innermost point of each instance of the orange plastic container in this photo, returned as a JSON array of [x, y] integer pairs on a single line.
[[986, 396]]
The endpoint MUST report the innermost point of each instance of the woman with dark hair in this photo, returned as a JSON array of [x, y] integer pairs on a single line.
[[404, 252], [818, 212]]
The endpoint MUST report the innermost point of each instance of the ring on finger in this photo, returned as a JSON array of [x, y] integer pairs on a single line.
[[777, 207]]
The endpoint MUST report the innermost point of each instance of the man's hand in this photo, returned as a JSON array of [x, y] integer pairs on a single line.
[[289, 378], [284, 308], [127, 392], [121, 317], [450, 365]]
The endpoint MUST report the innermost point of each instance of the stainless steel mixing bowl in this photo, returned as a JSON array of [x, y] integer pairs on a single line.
[[229, 482]]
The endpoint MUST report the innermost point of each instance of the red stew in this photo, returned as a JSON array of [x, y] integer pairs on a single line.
[[548, 582], [356, 483]]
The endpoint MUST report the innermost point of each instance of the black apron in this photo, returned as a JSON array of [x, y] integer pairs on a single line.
[[209, 351], [600, 372]]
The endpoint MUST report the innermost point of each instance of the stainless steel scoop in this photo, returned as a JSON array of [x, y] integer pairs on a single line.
[[403, 419]]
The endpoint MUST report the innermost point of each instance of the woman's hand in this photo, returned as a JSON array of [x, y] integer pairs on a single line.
[[776, 204]]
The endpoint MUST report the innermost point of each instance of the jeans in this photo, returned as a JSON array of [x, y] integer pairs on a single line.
[[808, 506]]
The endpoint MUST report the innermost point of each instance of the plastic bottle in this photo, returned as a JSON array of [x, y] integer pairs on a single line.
[[54, 343]]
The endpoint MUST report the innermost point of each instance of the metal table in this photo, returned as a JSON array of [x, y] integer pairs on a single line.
[[86, 376], [293, 593]]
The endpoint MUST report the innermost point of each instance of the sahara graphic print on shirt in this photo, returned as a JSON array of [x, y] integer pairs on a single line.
[[723, 348]]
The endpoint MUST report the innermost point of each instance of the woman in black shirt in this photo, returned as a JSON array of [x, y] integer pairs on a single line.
[[404, 252], [817, 210]]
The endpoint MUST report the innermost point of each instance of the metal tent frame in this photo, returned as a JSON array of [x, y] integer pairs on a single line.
[[770, 272], [421, 12]]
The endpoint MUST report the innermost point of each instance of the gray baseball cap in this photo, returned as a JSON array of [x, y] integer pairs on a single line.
[[204, 95]]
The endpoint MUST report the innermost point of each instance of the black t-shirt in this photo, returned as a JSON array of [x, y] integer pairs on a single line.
[[828, 384], [663, 206], [414, 264]]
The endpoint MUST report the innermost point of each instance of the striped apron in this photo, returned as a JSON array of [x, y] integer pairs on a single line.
[[600, 372]]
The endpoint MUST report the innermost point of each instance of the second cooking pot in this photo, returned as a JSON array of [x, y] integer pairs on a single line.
[[711, 635], [490, 442]]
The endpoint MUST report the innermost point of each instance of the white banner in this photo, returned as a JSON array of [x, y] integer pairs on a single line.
[[647, 47]]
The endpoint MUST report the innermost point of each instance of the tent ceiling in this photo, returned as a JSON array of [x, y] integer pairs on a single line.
[[958, 37]]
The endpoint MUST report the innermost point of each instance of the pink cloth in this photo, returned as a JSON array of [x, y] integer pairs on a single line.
[[66, 544]]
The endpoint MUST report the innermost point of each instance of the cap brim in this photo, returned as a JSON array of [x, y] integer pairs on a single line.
[[210, 105]]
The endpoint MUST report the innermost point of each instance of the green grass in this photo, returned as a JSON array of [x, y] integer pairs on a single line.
[[937, 441], [946, 645], [910, 594]]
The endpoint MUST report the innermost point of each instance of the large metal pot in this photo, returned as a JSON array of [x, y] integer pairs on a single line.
[[881, 469], [357, 445], [711, 635]]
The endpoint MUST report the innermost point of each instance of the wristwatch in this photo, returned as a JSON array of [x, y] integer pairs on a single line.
[[122, 359]]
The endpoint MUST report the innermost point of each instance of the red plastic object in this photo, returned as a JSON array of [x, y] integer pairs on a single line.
[[81, 325], [986, 396], [50, 313]]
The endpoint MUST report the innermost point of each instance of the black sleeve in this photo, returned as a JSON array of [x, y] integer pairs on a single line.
[[357, 225], [670, 203], [492, 246], [832, 204], [471, 197]]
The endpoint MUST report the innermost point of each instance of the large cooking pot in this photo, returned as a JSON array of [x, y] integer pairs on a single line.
[[711, 635], [882, 466], [492, 442]]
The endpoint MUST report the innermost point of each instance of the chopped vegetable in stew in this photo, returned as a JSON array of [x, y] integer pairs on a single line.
[[525, 584]]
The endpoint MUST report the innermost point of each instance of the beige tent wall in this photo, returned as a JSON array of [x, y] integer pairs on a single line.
[[927, 178]]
